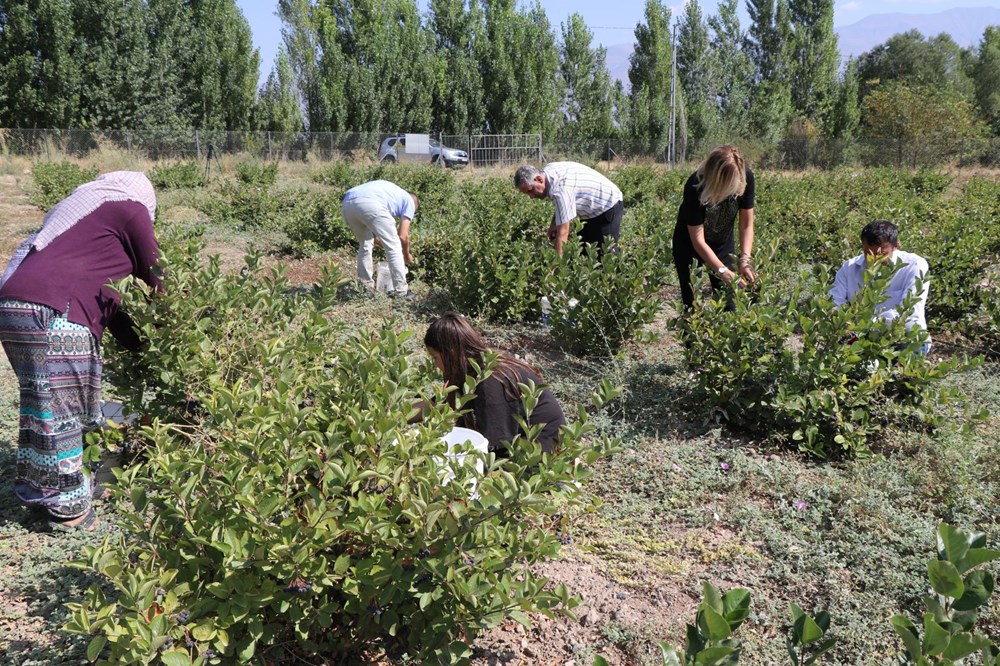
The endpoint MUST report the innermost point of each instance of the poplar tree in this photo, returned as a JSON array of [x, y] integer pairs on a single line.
[[696, 77], [734, 71], [767, 43], [302, 32], [222, 81], [458, 106], [587, 91], [814, 58], [649, 73], [169, 30], [112, 47], [278, 108], [39, 75]]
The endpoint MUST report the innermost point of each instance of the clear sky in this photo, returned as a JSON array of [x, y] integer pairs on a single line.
[[610, 22]]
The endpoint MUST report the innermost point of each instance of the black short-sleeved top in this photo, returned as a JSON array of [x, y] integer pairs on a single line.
[[494, 414], [719, 220]]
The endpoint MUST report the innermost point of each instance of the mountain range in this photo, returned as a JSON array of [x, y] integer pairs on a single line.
[[964, 24]]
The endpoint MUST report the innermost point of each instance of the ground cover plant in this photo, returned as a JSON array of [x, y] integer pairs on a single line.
[[687, 499]]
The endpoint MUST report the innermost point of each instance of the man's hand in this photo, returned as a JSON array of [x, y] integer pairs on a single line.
[[552, 232], [407, 258]]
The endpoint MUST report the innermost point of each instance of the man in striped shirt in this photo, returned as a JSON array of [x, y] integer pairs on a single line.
[[577, 192]]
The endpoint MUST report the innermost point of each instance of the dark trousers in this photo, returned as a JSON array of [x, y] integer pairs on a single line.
[[603, 229], [684, 254]]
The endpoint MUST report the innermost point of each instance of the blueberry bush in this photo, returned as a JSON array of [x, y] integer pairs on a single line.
[[285, 508]]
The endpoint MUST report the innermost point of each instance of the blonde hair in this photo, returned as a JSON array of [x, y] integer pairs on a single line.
[[721, 175]]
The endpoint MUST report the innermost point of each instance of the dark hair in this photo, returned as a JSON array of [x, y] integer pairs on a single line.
[[878, 232], [458, 342]]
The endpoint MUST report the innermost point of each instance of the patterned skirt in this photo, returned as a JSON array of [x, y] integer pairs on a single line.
[[58, 367]]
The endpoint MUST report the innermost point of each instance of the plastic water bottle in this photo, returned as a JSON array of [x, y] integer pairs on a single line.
[[546, 312]]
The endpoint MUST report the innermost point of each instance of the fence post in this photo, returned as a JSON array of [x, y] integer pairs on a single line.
[[45, 140], [269, 146], [128, 142], [539, 147], [197, 144]]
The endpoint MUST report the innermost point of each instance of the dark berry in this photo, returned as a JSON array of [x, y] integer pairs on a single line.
[[565, 539], [424, 554], [408, 566], [169, 643], [188, 643], [160, 592], [298, 586], [182, 618], [209, 653], [133, 558]]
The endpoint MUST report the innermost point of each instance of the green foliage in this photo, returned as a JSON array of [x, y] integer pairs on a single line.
[[283, 512], [959, 591], [317, 226], [831, 390], [257, 174], [804, 647], [917, 125], [600, 305], [54, 181], [182, 175], [710, 640]]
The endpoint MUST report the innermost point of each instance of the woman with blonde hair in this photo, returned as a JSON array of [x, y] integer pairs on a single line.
[[719, 191], [455, 345]]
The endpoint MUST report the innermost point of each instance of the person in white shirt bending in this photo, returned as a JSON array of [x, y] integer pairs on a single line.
[[577, 192], [880, 241]]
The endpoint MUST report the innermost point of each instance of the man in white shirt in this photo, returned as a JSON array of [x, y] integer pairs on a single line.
[[577, 192], [880, 242], [371, 211]]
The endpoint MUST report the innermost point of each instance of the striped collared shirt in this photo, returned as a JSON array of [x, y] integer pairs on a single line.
[[579, 191]]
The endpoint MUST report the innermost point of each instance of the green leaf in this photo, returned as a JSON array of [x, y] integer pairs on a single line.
[[820, 650], [711, 597], [736, 606], [977, 556], [806, 630], [671, 657], [342, 564], [978, 588], [176, 658], [936, 637], [945, 578], [95, 647], [600, 661], [715, 656], [953, 543], [713, 625], [521, 618], [908, 632], [963, 644]]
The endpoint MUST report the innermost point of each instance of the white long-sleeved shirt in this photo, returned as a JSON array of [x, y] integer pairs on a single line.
[[850, 278]]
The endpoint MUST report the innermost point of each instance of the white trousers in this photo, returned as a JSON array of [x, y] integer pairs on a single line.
[[369, 219]]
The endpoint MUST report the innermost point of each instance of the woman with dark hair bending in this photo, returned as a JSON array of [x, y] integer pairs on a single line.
[[719, 191], [453, 343]]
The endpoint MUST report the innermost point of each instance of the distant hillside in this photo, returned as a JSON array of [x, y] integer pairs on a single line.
[[965, 25]]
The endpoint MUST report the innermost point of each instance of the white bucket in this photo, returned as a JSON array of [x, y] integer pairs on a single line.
[[457, 437], [383, 278]]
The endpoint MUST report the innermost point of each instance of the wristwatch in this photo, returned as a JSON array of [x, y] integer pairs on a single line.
[[722, 270]]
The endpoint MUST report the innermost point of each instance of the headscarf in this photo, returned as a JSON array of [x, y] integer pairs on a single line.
[[85, 199]]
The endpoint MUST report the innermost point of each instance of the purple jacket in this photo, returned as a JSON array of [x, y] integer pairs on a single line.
[[71, 273]]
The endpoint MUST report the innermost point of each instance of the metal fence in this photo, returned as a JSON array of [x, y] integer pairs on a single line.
[[201, 144], [484, 150]]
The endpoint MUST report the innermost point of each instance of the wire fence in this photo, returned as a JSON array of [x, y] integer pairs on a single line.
[[483, 149]]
